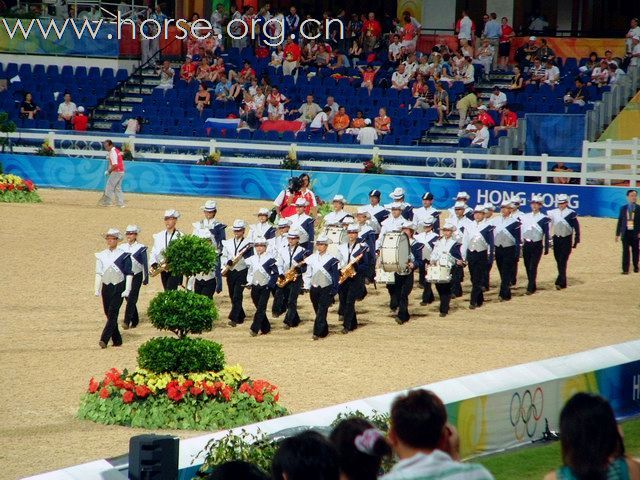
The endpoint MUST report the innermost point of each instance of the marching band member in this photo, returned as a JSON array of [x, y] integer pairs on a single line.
[[161, 241], [489, 210], [368, 236], [535, 229], [352, 288], [140, 272], [338, 214], [427, 210], [489, 217], [398, 196], [113, 281], [517, 214], [391, 224], [204, 283], [428, 238], [236, 249], [565, 226], [321, 279], [377, 213], [280, 240], [304, 224], [263, 228], [347, 220], [478, 250], [404, 281], [446, 247], [507, 243], [290, 256], [216, 233], [460, 220], [261, 277], [462, 197]]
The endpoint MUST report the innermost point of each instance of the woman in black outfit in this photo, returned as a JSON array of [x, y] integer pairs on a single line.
[[28, 108]]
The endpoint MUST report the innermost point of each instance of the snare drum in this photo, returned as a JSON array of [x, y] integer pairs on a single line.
[[385, 278], [394, 252], [440, 273], [338, 236]]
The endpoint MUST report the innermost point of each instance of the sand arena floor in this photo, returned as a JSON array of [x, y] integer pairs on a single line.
[[51, 323]]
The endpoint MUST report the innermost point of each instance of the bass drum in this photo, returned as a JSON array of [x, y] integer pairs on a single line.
[[394, 252], [338, 236]]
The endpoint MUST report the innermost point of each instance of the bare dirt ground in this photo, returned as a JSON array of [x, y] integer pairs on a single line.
[[51, 323]]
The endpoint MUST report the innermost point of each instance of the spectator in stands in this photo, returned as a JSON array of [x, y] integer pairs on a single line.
[[80, 120], [203, 98], [357, 123], [508, 120], [320, 122], [485, 56], [424, 68], [306, 456], [188, 70], [371, 32], [411, 65], [361, 449], [464, 104], [551, 73], [382, 122], [246, 74], [166, 76], [561, 167], [277, 57], [600, 74], [307, 110], [333, 107], [614, 73], [67, 110], [249, 117], [466, 48], [400, 78], [504, 49], [497, 99], [132, 125], [635, 51], [591, 64], [467, 73], [492, 32], [591, 443], [338, 59], [420, 92], [485, 117], [538, 24], [28, 108], [217, 69], [446, 72], [367, 135], [394, 54], [322, 57], [634, 31], [526, 53], [236, 28], [441, 103], [465, 28], [409, 34], [578, 95], [536, 73], [292, 55], [218, 18], [545, 53], [368, 76], [517, 80], [355, 52], [481, 135], [222, 89], [292, 21], [428, 447], [341, 121]]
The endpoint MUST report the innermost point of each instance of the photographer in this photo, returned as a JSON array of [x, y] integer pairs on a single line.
[[298, 187]]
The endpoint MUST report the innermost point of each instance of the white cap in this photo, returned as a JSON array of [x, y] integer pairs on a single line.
[[339, 198], [396, 206], [489, 206], [562, 198], [260, 241], [353, 228], [516, 200], [113, 232], [238, 224], [533, 38], [479, 208], [409, 225], [463, 195], [284, 223], [209, 206], [81, 109], [536, 199], [293, 233], [367, 121], [171, 214], [347, 220], [323, 239], [300, 202], [264, 211], [397, 193], [428, 220], [506, 203], [448, 226], [363, 211], [459, 205], [132, 229], [482, 107]]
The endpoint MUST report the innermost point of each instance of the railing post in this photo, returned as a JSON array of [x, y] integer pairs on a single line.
[[458, 165], [132, 145], [544, 168], [51, 139], [607, 154], [634, 162], [212, 146]]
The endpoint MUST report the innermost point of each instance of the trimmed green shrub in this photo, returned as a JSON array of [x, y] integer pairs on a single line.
[[190, 255], [180, 355], [182, 312]]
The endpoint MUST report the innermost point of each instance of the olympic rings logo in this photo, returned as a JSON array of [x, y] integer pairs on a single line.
[[525, 412]]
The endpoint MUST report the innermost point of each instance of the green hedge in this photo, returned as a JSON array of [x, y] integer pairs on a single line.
[[190, 255], [180, 355], [182, 312]]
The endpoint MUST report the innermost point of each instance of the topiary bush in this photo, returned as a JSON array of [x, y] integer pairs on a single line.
[[180, 355], [190, 255], [182, 312]]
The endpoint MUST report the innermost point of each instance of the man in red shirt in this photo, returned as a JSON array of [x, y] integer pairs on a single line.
[[371, 31], [188, 70], [115, 175], [509, 120], [80, 121], [292, 54]]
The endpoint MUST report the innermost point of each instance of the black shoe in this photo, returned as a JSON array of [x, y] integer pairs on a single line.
[[344, 331], [472, 306], [232, 323], [102, 344], [117, 344], [253, 334], [558, 287], [528, 292], [443, 314], [315, 337], [625, 273], [398, 321], [125, 326], [287, 326], [636, 269]]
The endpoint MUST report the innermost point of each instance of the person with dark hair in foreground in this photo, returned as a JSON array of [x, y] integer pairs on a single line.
[[307, 456], [425, 443], [237, 470], [361, 448], [591, 443]]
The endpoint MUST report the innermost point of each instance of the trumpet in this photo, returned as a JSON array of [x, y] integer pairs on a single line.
[[225, 271], [162, 267], [350, 270]]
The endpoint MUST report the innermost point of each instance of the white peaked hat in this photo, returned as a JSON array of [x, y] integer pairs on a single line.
[[323, 239], [132, 229], [353, 228], [429, 220], [339, 198], [536, 199], [260, 241], [506, 203], [409, 225], [171, 213], [397, 193], [294, 233], [459, 205], [463, 195], [238, 224], [300, 202], [113, 232], [479, 208], [263, 211], [562, 198], [448, 226], [489, 206], [209, 206], [284, 223], [396, 206], [363, 211], [347, 220], [516, 200]]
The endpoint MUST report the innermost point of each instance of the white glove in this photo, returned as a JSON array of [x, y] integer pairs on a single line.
[[98, 284], [191, 283], [127, 286]]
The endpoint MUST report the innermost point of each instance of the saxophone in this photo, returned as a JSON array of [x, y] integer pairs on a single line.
[[350, 270], [290, 275], [162, 267], [236, 259]]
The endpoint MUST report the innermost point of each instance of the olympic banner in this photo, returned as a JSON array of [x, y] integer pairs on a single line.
[[265, 184]]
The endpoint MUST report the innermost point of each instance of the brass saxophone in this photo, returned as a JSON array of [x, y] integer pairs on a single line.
[[225, 271], [290, 275], [162, 267], [350, 270]]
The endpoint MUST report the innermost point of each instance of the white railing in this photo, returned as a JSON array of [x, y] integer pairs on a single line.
[[601, 162]]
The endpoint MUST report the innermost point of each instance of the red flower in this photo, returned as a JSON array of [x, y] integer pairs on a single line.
[[30, 186], [127, 397], [104, 393], [93, 385], [226, 392], [10, 187], [175, 394], [195, 391], [142, 391], [187, 384]]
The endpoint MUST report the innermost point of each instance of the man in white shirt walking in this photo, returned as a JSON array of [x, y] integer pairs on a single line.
[[367, 134], [115, 176]]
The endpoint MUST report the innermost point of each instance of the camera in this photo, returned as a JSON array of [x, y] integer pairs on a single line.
[[295, 185]]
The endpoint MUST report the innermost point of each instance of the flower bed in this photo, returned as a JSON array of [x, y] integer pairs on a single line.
[[199, 401], [15, 189]]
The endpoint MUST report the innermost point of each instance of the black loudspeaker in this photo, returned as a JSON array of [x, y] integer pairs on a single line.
[[153, 457]]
